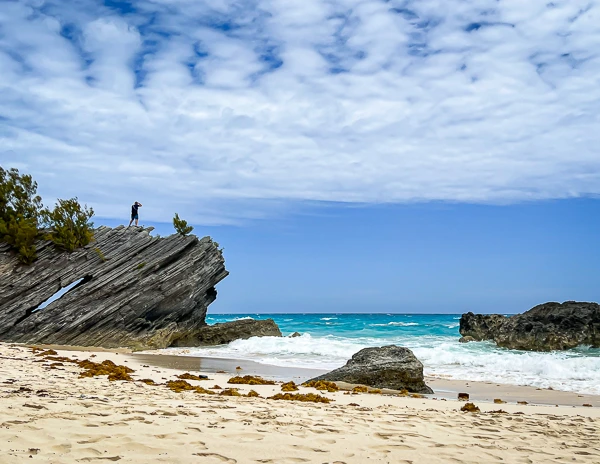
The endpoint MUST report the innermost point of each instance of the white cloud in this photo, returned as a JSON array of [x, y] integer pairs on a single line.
[[232, 109]]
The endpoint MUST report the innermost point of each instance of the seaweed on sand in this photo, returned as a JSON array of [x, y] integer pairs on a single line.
[[308, 397], [250, 380], [360, 389], [188, 376], [322, 385], [470, 407], [179, 386], [289, 387], [230, 392], [106, 367]]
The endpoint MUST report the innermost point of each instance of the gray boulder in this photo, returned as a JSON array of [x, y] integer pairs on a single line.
[[390, 366], [226, 332], [546, 327]]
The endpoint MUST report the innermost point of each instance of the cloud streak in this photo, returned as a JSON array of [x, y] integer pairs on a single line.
[[224, 110]]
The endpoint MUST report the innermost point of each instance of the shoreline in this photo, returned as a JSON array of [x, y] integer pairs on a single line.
[[443, 387], [49, 413]]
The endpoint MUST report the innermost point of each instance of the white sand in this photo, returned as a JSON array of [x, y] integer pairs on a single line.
[[52, 415]]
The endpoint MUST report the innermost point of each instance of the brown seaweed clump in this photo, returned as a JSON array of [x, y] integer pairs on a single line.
[[375, 391], [463, 397], [360, 389], [403, 392], [322, 385], [44, 353], [204, 391], [416, 395], [216, 387], [587, 405], [499, 401], [308, 397], [470, 407], [289, 387], [148, 381], [253, 394], [188, 376], [179, 386], [498, 411], [522, 402], [230, 392], [106, 367], [250, 380]]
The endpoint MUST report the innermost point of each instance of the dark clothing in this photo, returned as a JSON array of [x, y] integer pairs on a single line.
[[134, 212]]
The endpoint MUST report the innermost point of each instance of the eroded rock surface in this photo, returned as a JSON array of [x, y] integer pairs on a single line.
[[546, 327], [390, 366], [137, 291], [226, 332]]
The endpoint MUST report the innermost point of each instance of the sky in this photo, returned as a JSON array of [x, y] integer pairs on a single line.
[[349, 155]]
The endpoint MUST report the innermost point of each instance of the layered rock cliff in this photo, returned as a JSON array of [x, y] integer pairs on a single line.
[[133, 291], [546, 327]]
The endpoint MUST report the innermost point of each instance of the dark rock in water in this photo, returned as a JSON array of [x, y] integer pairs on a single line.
[[466, 339], [295, 334], [390, 366], [134, 291], [546, 327], [226, 332], [480, 327]]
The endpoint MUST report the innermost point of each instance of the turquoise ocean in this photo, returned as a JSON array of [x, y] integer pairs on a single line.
[[329, 340]]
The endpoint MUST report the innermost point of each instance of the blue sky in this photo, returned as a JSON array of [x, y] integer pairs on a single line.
[[354, 155]]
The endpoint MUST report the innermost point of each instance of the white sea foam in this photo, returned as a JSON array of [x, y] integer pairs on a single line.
[[444, 356], [327, 318], [397, 324]]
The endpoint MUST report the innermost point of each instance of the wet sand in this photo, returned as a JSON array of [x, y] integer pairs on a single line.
[[443, 388]]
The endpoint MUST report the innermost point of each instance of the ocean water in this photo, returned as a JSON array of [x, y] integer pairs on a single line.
[[329, 340]]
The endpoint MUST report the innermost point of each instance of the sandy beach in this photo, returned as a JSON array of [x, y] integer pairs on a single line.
[[49, 414]]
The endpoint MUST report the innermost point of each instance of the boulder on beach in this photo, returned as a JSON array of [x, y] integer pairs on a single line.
[[546, 327], [390, 366]]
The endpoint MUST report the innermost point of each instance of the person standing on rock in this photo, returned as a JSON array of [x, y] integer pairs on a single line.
[[134, 213]]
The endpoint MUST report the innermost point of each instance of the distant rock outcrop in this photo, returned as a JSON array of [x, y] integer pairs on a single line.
[[133, 291], [546, 327], [390, 366], [226, 332]]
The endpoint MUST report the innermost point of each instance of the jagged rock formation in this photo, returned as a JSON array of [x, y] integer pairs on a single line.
[[546, 327], [390, 366], [137, 291], [226, 332]]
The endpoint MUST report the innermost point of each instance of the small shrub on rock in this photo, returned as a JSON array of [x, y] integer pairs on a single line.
[[181, 226]]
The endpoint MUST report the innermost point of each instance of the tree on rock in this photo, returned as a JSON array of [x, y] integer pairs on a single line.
[[69, 224], [20, 210], [181, 226]]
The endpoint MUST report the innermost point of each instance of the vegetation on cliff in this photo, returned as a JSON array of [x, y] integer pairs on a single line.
[[23, 218]]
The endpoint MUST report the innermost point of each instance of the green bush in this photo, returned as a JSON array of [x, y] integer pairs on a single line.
[[20, 210], [70, 224], [181, 226]]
